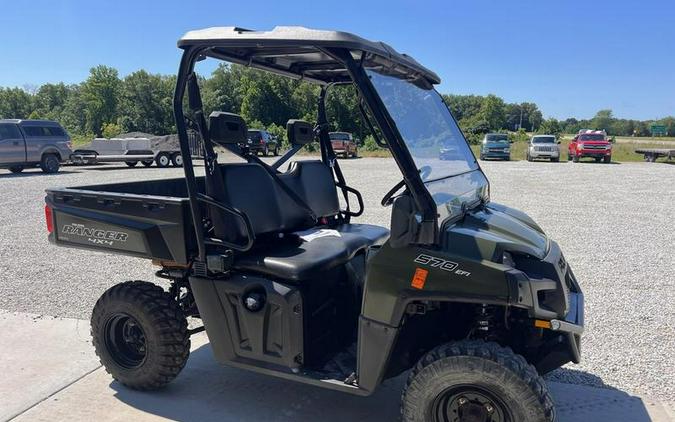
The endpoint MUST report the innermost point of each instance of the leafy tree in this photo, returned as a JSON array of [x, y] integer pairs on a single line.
[[492, 112], [550, 127], [146, 103], [15, 103], [110, 130], [100, 93], [602, 120]]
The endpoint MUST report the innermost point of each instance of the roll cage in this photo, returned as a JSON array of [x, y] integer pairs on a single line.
[[325, 58]]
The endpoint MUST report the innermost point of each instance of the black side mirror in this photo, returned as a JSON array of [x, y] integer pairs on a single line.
[[405, 222]]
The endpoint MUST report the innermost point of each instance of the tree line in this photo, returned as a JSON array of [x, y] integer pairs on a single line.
[[106, 105]]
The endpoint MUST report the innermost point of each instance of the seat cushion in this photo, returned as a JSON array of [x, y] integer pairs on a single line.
[[359, 236], [293, 258], [305, 255]]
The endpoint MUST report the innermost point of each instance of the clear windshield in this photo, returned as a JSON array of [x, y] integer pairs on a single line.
[[496, 137], [592, 137], [435, 142], [543, 140]]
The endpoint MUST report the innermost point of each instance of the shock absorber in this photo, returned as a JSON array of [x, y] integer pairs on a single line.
[[485, 322]]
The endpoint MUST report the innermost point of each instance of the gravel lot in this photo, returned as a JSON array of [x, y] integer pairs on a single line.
[[615, 223]]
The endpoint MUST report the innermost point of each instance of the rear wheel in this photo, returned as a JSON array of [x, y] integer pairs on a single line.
[[555, 159], [575, 158], [177, 160], [140, 335], [163, 159], [16, 169], [147, 163], [529, 157], [50, 163], [276, 151], [265, 151], [608, 160], [475, 381], [131, 163]]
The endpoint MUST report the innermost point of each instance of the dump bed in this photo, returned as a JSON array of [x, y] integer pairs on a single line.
[[147, 219]]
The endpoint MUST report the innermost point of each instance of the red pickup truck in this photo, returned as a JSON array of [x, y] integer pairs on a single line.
[[590, 143]]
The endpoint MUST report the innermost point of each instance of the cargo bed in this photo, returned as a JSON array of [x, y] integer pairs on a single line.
[[147, 219]]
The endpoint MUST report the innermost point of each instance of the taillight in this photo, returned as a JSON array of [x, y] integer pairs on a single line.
[[50, 219]]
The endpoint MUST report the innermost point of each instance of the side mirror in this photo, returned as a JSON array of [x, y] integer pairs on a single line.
[[557, 141], [510, 141], [405, 222]]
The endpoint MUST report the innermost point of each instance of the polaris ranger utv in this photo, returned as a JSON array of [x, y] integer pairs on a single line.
[[470, 296]]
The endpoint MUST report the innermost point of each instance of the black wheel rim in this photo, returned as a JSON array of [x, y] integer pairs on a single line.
[[52, 164], [125, 340], [470, 403]]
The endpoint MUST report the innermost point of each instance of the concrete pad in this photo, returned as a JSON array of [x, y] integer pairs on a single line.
[[206, 391], [40, 356]]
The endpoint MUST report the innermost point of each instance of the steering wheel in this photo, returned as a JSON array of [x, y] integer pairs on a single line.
[[388, 198]]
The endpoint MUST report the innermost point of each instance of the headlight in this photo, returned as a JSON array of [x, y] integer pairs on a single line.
[[580, 146], [507, 260], [507, 149]]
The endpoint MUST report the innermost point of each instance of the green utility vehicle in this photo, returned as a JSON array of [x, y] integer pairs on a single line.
[[469, 297]]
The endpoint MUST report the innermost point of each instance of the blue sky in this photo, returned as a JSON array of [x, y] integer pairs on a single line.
[[571, 57]]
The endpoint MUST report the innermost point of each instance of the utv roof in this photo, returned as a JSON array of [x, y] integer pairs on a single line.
[[302, 52]]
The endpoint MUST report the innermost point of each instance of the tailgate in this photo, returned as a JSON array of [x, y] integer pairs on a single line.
[[145, 226]]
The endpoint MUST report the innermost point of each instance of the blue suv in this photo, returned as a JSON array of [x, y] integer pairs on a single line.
[[495, 145]]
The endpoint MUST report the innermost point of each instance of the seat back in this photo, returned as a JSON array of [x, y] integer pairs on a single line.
[[313, 182], [250, 189]]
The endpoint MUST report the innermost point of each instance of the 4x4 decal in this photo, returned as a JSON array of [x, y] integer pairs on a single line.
[[443, 264]]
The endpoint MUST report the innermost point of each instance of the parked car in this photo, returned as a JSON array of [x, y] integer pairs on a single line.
[[543, 146], [590, 143], [31, 143], [261, 141], [344, 144], [495, 145]]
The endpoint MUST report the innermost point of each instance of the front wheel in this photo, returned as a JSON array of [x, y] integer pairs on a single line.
[[140, 335], [475, 381], [16, 169], [50, 163], [608, 160], [131, 163]]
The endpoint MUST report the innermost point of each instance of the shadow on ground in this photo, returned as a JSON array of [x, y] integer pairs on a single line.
[[36, 173], [206, 391]]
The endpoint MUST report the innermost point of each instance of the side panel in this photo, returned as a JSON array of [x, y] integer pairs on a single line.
[[390, 282], [273, 334], [134, 225]]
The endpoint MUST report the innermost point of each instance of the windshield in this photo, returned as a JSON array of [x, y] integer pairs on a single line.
[[254, 135], [593, 137], [496, 137], [338, 136], [543, 139], [437, 146]]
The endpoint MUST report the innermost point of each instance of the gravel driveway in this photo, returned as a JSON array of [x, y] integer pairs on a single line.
[[615, 223]]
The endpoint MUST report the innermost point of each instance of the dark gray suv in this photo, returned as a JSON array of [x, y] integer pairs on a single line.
[[31, 143]]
